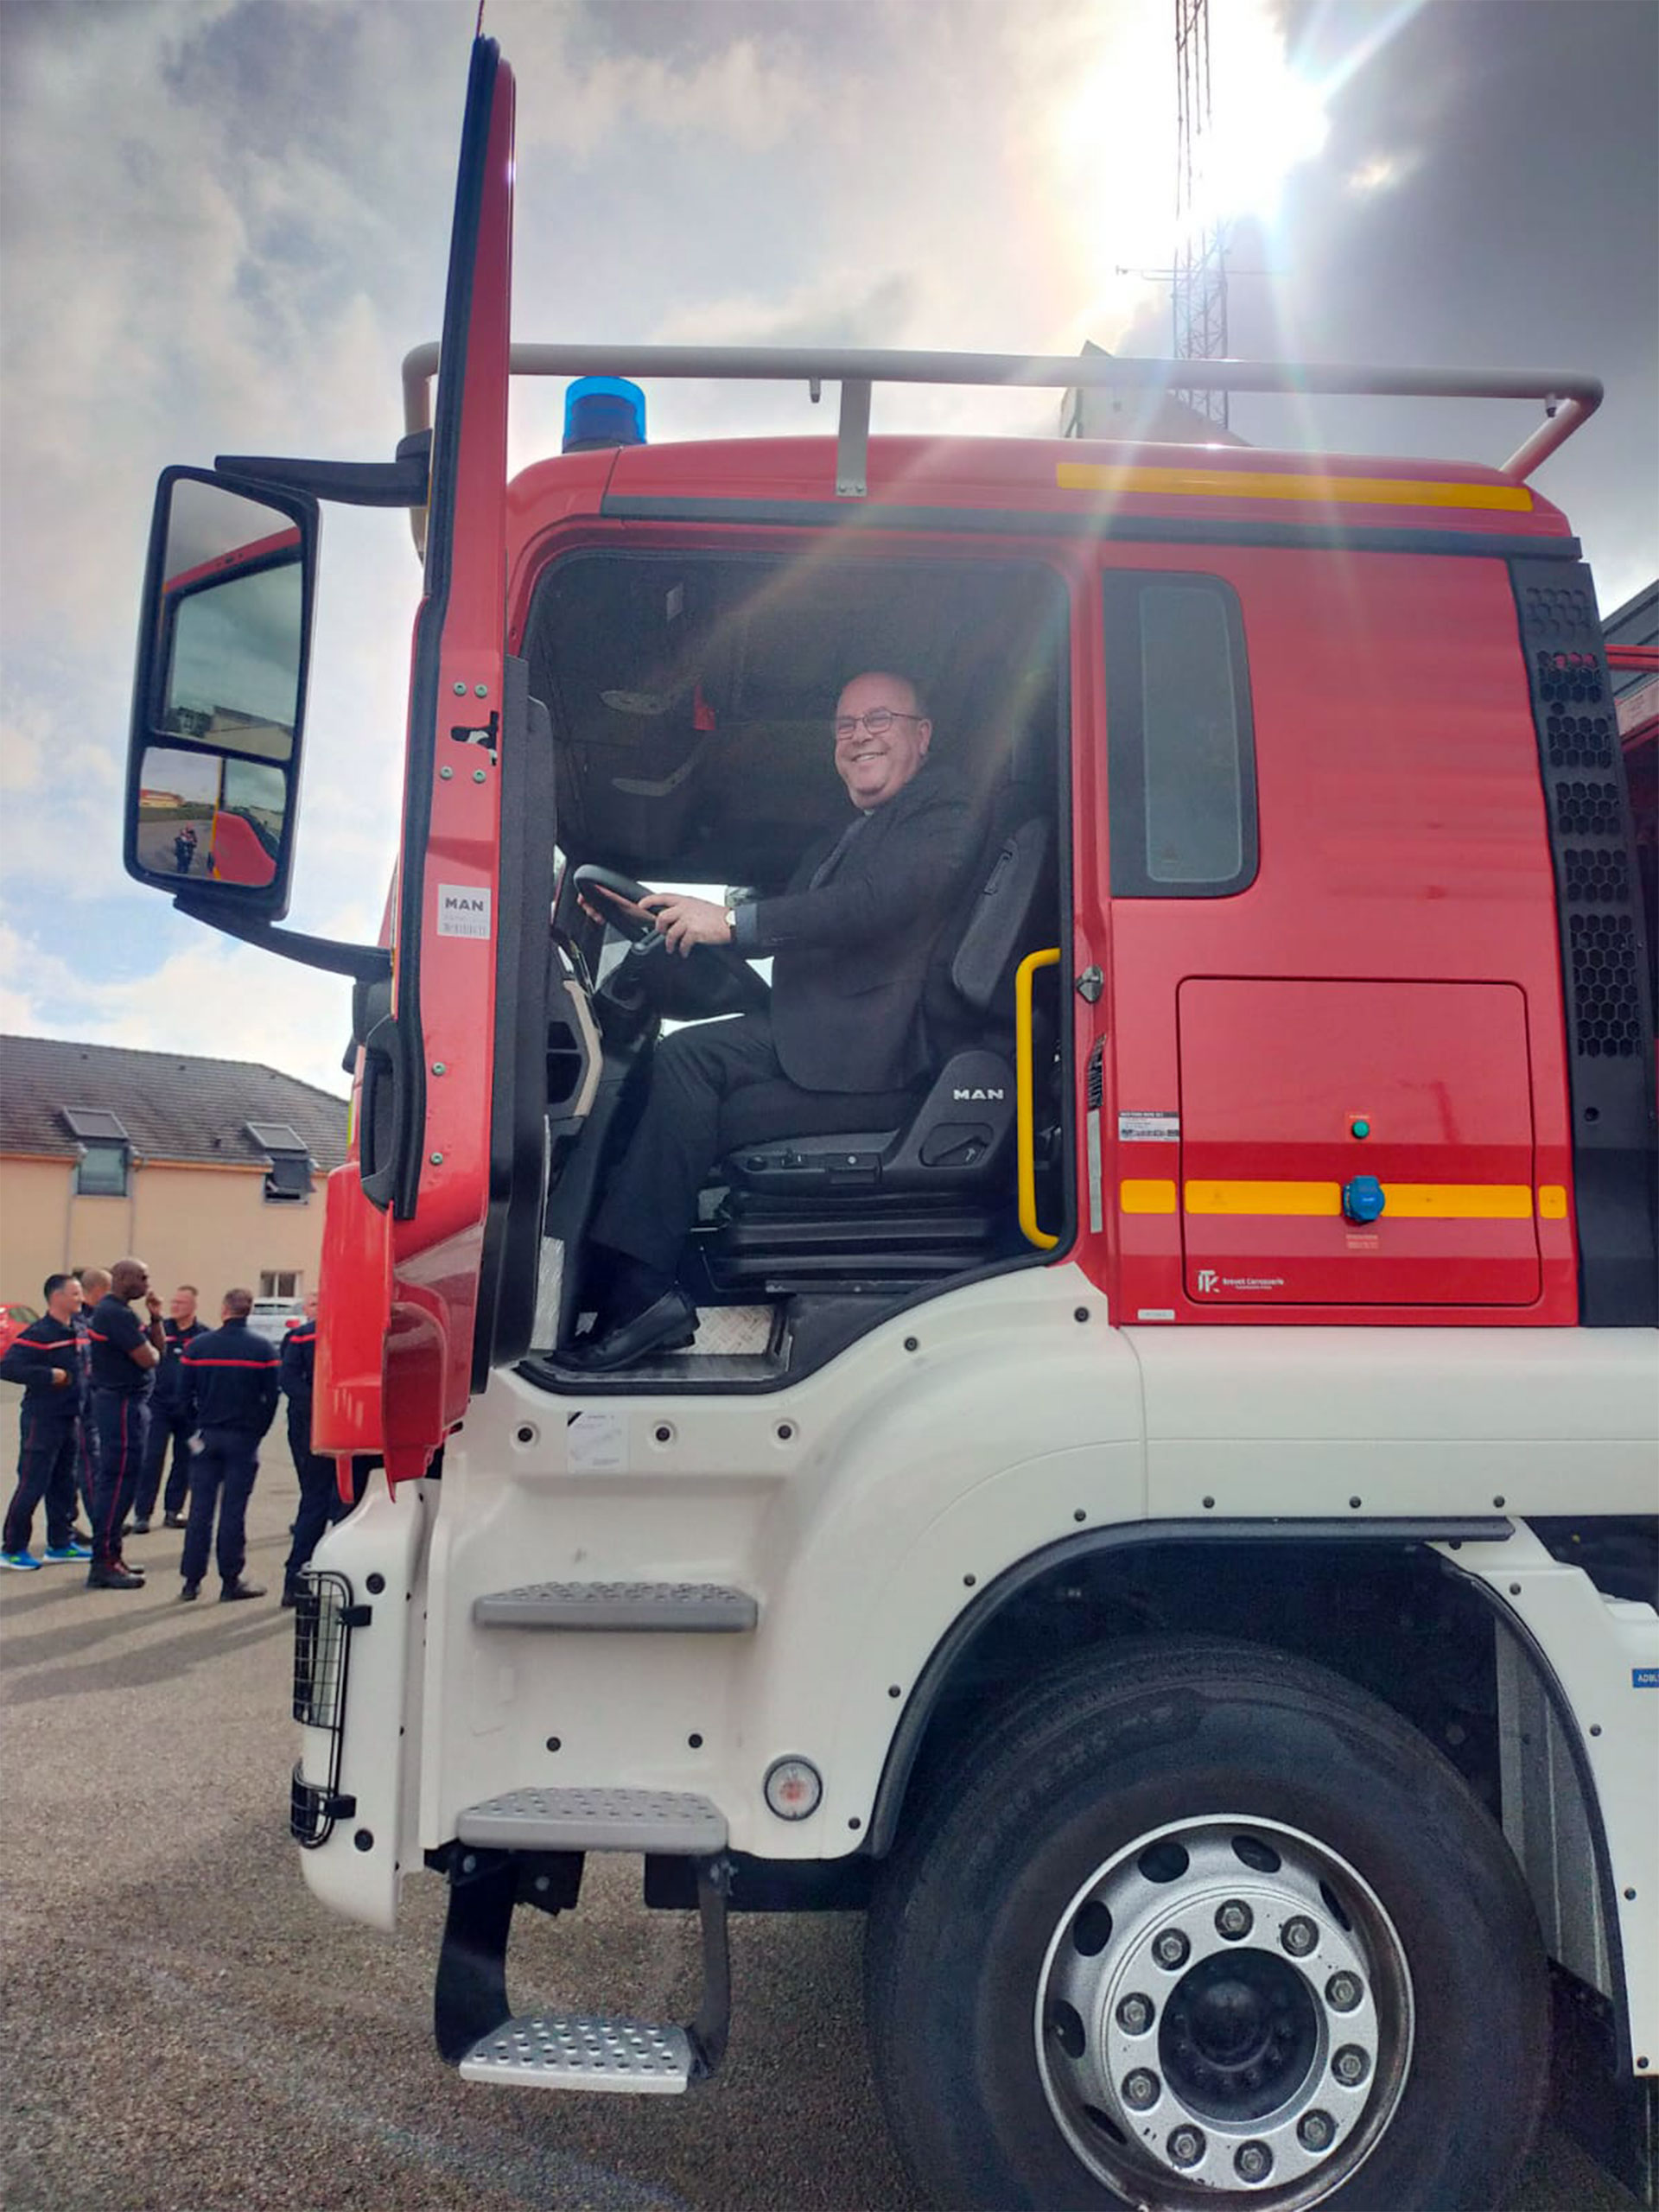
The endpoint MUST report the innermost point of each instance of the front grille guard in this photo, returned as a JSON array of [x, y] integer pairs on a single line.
[[325, 1614]]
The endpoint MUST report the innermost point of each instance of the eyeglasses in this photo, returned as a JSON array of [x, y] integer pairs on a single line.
[[878, 721]]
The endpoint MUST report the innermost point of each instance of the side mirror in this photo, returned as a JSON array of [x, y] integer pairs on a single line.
[[218, 693]]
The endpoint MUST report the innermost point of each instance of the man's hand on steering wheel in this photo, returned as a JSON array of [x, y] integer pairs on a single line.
[[686, 922]]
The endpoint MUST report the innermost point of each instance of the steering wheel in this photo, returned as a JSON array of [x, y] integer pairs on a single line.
[[713, 979]]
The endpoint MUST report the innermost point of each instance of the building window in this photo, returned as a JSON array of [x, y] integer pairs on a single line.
[[1180, 743], [279, 1282], [104, 1152], [289, 1182]]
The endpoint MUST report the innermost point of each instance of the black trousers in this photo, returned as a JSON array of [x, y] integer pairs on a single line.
[[122, 1422], [713, 1086], [321, 1502], [221, 1477], [46, 1469], [165, 1426]]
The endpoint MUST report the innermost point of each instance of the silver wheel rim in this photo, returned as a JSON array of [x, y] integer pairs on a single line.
[[1224, 2013]]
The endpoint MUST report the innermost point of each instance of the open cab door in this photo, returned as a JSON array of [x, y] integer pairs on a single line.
[[448, 1124]]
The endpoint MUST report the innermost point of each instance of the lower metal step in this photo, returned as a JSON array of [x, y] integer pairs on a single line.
[[672, 1820], [620, 1608], [550, 2051]]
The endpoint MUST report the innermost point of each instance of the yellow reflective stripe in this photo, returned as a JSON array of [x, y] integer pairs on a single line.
[[1406, 1201], [1264, 1197], [1263, 484], [1144, 1194], [1459, 1201], [1552, 1202]]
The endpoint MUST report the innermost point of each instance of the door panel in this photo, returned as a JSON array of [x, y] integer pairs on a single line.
[[455, 932]]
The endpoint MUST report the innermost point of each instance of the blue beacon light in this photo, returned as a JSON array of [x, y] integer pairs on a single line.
[[601, 412]]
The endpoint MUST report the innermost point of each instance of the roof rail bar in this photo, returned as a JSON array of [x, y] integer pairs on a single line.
[[1569, 397]]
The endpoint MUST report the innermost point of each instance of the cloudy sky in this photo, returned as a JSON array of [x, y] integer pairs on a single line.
[[224, 222]]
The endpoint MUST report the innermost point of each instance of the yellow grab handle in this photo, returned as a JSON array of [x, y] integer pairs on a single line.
[[1025, 1133]]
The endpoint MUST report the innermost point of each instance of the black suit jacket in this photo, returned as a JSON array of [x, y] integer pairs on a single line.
[[851, 953]]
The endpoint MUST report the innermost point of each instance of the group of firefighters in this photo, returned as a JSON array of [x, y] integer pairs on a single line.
[[107, 1389]]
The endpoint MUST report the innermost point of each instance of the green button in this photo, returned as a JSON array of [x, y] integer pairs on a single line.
[[1362, 1128]]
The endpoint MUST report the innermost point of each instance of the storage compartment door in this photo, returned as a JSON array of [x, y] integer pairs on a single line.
[[1298, 1097]]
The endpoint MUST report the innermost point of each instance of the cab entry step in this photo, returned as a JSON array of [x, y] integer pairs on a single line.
[[621, 1608], [549, 2050], [670, 1821]]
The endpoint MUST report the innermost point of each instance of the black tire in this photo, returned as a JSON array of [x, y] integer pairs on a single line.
[[1110, 1749]]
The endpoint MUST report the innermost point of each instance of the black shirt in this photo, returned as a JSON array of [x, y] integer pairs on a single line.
[[116, 1331], [227, 1379]]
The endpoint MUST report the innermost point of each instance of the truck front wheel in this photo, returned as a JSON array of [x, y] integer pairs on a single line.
[[1193, 1924]]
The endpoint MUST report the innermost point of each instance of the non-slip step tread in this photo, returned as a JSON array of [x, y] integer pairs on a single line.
[[674, 1821], [620, 1608], [552, 2050]]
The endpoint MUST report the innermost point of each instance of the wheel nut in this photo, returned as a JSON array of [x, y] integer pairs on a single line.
[[1134, 2015], [1171, 1949], [1350, 2065], [1252, 2162], [1186, 2147], [1315, 2130], [1234, 1919], [1298, 1936], [1342, 1992], [1140, 2089]]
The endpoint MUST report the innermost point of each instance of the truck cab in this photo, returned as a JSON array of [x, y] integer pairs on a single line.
[[1162, 1515]]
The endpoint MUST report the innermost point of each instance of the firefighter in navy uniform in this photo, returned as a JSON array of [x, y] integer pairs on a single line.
[[94, 1284], [181, 1327], [227, 1390], [321, 1502], [45, 1358], [124, 1350]]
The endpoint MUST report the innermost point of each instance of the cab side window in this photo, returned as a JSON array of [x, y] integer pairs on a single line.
[[1181, 745]]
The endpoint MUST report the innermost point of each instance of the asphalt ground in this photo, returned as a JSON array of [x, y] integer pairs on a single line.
[[185, 2031]]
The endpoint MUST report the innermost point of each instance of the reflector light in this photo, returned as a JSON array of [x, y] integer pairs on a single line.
[[601, 411], [794, 1789]]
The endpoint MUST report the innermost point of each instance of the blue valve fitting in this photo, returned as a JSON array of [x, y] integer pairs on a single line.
[[1364, 1198]]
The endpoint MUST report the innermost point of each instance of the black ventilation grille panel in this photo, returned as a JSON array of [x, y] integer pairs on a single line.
[[1609, 1020]]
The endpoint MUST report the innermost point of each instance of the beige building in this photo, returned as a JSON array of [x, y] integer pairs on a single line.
[[210, 1170]]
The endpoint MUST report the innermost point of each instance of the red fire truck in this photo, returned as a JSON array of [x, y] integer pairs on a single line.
[[1165, 1523]]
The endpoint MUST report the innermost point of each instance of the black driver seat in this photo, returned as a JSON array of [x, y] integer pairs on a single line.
[[872, 1187]]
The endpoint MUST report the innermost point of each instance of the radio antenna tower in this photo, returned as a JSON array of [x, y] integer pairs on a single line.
[[1200, 292]]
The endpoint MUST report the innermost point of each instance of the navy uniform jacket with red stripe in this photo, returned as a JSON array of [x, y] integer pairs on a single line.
[[300, 1364], [167, 1372], [31, 1358], [227, 1379]]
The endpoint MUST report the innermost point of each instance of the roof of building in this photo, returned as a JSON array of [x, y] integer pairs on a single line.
[[170, 1105]]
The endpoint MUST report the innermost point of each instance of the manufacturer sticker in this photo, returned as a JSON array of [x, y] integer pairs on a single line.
[[1156, 1314], [1148, 1129], [463, 912], [596, 1443], [1644, 1678]]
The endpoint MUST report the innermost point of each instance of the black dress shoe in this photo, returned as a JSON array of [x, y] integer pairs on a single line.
[[668, 1324], [190, 1592], [172, 1521], [110, 1574], [233, 1591]]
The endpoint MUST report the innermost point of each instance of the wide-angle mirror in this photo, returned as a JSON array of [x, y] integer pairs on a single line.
[[220, 695]]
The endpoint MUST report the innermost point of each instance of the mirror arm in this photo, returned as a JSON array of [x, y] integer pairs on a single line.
[[400, 483], [365, 963]]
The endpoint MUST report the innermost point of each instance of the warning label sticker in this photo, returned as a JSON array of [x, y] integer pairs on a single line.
[[596, 1443], [1149, 1129], [463, 912]]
